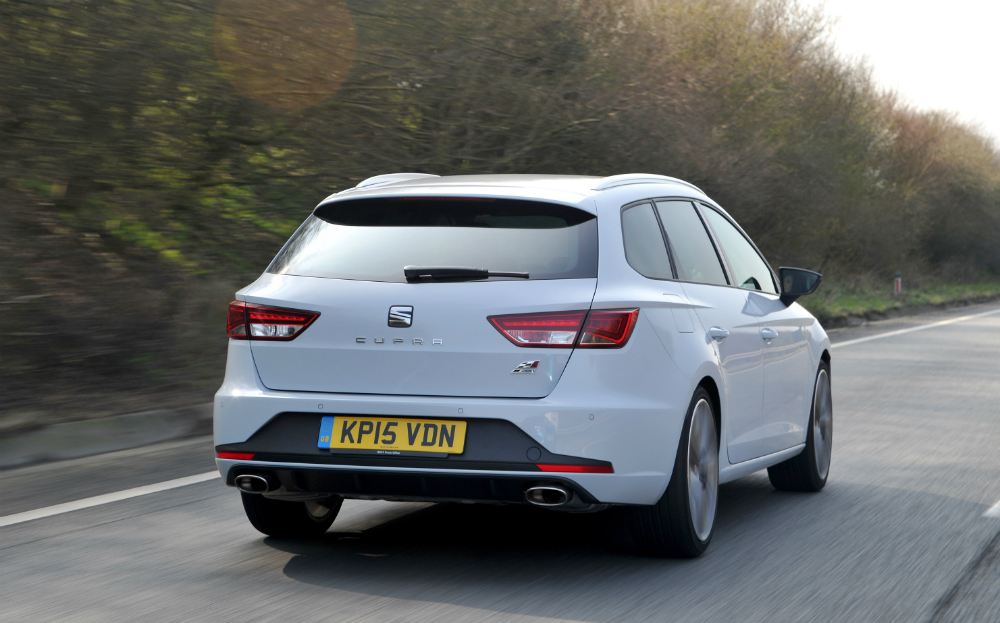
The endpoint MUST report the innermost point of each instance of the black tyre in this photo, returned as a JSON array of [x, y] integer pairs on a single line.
[[290, 520], [681, 523], [809, 470]]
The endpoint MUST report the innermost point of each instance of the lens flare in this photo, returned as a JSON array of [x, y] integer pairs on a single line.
[[288, 54]]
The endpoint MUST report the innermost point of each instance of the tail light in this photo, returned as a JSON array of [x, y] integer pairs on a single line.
[[600, 328], [236, 324], [258, 322], [609, 329], [548, 330]]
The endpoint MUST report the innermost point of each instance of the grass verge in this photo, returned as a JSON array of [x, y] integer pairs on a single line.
[[839, 305]]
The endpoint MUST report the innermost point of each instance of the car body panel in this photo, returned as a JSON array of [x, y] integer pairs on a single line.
[[740, 361], [450, 349], [788, 367]]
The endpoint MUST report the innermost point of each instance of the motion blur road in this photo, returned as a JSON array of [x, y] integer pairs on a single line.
[[902, 532]]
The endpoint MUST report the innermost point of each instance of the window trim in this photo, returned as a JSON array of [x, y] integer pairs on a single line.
[[666, 241], [774, 280]]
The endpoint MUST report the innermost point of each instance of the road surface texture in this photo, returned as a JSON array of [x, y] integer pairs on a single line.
[[904, 530]]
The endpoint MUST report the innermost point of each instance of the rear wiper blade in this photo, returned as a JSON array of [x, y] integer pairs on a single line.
[[453, 273]]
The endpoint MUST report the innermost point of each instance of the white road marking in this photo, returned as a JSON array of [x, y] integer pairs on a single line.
[[107, 498], [912, 329], [109, 456], [993, 511]]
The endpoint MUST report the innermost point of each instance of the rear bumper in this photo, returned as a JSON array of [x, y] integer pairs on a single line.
[[496, 445], [405, 485], [624, 407]]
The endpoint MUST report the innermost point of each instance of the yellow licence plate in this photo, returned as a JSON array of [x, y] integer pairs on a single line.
[[353, 432]]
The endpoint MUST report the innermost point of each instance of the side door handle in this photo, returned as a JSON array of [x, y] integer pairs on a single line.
[[768, 334], [718, 333]]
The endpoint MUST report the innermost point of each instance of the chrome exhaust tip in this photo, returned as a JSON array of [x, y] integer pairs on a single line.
[[252, 483], [548, 495]]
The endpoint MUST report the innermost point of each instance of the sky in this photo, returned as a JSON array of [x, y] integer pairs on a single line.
[[941, 55]]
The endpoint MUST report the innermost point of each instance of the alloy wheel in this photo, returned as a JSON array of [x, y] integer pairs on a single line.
[[703, 469], [823, 424]]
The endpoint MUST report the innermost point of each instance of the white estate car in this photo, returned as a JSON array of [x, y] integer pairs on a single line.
[[564, 341]]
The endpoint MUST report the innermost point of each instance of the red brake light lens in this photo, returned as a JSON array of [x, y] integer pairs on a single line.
[[609, 329], [258, 322], [548, 330], [602, 329], [236, 324], [269, 323], [576, 469]]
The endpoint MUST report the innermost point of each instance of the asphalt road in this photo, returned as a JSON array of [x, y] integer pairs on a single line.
[[902, 531]]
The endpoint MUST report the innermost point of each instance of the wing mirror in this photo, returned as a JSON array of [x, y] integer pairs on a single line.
[[796, 282]]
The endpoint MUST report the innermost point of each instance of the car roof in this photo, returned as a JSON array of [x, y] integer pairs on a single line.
[[568, 189]]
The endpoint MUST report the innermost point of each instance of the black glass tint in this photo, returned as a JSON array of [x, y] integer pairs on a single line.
[[644, 248], [476, 212], [547, 241], [749, 269], [694, 255]]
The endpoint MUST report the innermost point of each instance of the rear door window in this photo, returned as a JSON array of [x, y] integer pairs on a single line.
[[750, 271], [373, 239], [644, 248], [694, 254]]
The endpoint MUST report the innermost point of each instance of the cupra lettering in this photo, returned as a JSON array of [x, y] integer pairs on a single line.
[[417, 341]]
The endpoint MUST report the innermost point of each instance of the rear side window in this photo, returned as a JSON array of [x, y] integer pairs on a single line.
[[694, 254], [749, 269], [644, 248], [373, 239]]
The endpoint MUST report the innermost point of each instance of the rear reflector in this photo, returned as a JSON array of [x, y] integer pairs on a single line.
[[266, 323], [576, 469], [548, 330], [602, 329], [236, 456]]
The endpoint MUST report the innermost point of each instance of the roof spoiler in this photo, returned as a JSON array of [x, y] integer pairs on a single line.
[[389, 178]]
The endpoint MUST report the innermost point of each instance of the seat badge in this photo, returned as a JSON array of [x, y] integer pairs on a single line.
[[401, 316], [527, 367]]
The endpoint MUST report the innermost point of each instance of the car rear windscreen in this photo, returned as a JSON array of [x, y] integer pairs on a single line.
[[373, 239]]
